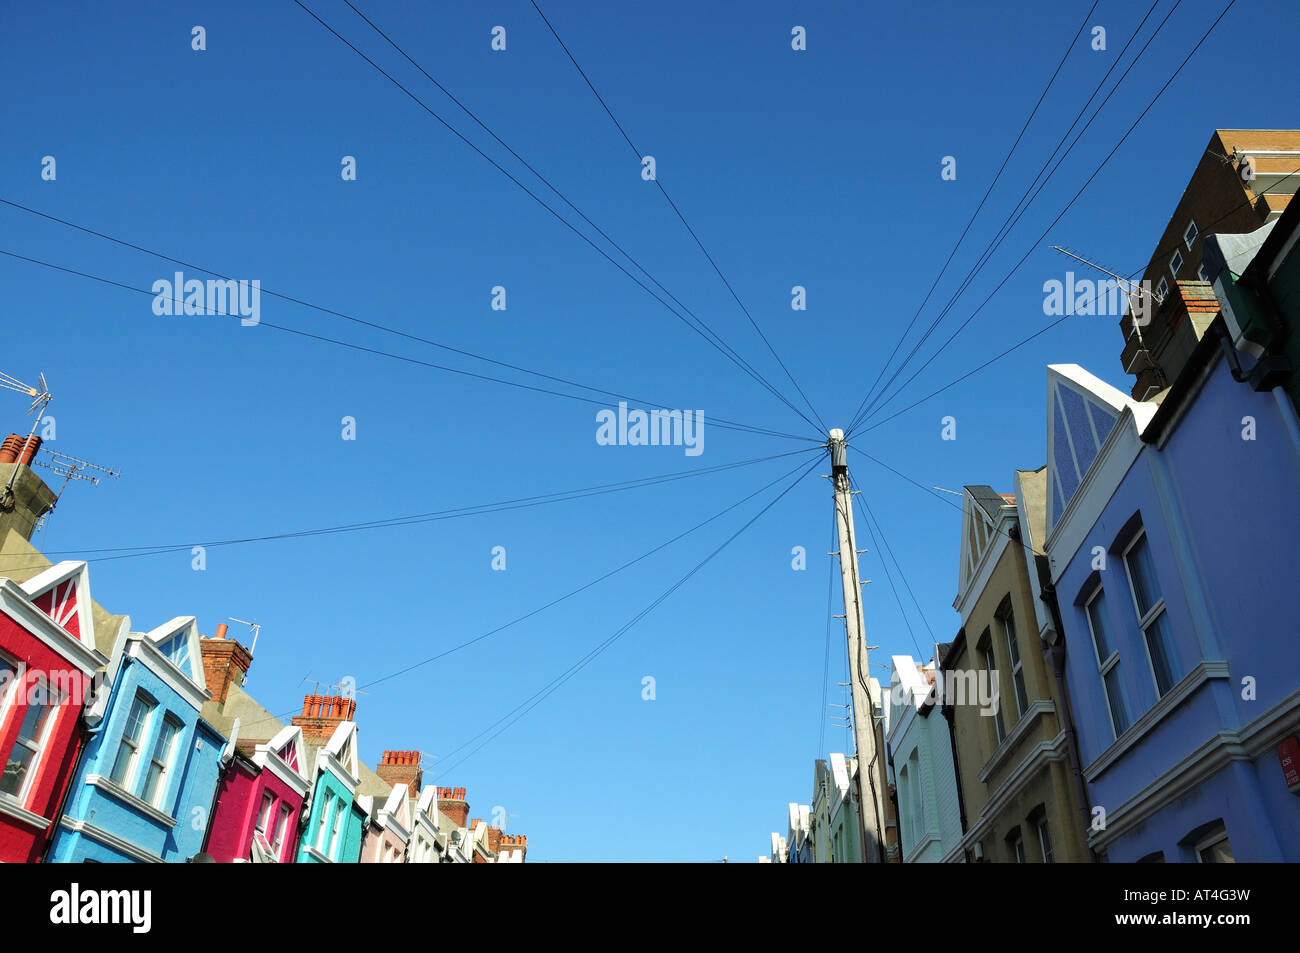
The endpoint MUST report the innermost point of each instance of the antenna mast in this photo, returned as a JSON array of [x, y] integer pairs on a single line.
[[42, 397]]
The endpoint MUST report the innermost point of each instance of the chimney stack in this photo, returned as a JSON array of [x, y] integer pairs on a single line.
[[29, 499], [510, 842], [402, 767], [225, 663], [321, 714], [451, 801]]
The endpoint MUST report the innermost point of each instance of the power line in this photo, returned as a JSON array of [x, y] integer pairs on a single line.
[[714, 340], [330, 311], [519, 711], [862, 503], [128, 552], [1077, 194], [1022, 205], [826, 658], [682, 218], [569, 595], [717, 421], [1026, 199]]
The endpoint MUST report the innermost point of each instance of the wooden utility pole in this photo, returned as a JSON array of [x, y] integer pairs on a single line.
[[864, 723]]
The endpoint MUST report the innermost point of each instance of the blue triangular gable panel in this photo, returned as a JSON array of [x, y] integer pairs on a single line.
[[177, 648]]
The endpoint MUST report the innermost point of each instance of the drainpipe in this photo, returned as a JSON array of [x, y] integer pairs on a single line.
[[956, 766], [85, 735], [1056, 654]]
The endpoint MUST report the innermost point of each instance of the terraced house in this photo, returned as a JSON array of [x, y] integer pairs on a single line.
[[1012, 754], [143, 789], [336, 821]]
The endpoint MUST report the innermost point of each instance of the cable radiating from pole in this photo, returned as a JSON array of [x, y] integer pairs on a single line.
[[962, 237], [682, 218], [330, 311], [722, 347], [522, 709], [717, 421], [1069, 205], [889, 576], [1026, 199]]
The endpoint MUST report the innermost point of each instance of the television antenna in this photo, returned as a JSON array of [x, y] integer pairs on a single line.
[[253, 627], [71, 468], [41, 397]]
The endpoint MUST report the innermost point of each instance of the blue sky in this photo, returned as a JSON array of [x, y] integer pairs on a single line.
[[817, 168]]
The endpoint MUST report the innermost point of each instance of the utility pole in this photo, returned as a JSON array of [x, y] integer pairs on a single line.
[[864, 722]]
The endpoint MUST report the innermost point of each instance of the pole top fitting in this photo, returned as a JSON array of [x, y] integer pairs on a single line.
[[839, 458]]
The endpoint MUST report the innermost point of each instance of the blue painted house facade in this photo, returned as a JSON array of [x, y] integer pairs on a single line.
[[1167, 524], [144, 788], [336, 822]]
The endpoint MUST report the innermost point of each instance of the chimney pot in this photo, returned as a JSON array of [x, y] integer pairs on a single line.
[[221, 631]]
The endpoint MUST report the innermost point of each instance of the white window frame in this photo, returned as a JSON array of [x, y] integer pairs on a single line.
[[1147, 620], [1177, 256], [323, 824], [1017, 667], [338, 827], [1215, 836], [1162, 290], [1201, 273], [1045, 840], [1191, 227], [37, 746], [1105, 665], [264, 811], [146, 725], [281, 827], [165, 766], [1018, 847], [990, 665]]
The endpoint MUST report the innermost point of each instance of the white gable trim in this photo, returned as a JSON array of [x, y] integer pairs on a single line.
[[15, 603], [165, 631], [146, 651], [38, 585]]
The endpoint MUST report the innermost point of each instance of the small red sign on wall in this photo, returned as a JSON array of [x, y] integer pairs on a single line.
[[1288, 752]]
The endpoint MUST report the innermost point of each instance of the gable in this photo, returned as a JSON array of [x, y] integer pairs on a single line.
[[178, 640], [62, 592], [1081, 412], [981, 516], [343, 746]]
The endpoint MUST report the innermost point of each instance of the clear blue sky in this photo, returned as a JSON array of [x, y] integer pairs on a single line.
[[816, 168]]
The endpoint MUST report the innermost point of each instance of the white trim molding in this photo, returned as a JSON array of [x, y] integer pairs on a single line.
[[110, 840], [130, 800], [10, 807]]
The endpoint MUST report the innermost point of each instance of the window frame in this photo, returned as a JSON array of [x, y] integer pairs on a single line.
[[1107, 665], [1212, 839], [1007, 619], [1196, 233], [160, 781], [990, 659], [1044, 839], [37, 745], [1177, 256], [1162, 289], [150, 706], [1146, 620]]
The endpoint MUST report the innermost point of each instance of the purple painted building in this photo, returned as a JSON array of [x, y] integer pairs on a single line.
[[1172, 608]]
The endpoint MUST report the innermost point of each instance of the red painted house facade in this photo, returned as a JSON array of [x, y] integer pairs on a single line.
[[47, 664], [259, 801]]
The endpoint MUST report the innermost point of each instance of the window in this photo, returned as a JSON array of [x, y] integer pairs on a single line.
[[160, 762], [1202, 274], [281, 826], [1189, 235], [915, 796], [32, 736], [1176, 264], [1162, 289], [264, 812], [1214, 848], [128, 752], [324, 822], [1017, 670], [990, 666], [1016, 846], [1044, 840], [1152, 618], [334, 834], [1107, 662]]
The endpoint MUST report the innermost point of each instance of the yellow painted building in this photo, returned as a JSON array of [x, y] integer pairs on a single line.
[[1019, 795]]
